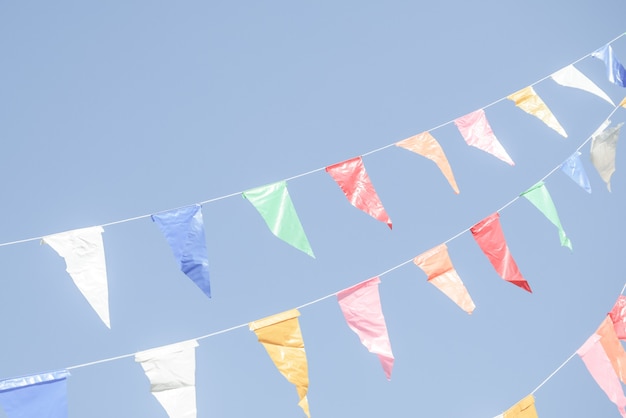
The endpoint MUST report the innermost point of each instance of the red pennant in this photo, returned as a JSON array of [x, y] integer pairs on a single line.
[[618, 317]]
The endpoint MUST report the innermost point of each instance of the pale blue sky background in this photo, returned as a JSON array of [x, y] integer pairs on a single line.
[[110, 110]]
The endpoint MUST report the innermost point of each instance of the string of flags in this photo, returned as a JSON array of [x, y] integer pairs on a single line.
[[171, 369]]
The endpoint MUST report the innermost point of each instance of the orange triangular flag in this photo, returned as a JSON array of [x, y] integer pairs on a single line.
[[530, 102], [613, 348]]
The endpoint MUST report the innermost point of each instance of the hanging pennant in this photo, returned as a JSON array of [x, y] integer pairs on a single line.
[[361, 307], [523, 409], [438, 267], [275, 206], [281, 336], [476, 131], [603, 147], [490, 238], [570, 77], [574, 168], [612, 347], [539, 196], [184, 231], [171, 370], [427, 146], [37, 396], [595, 358], [529, 101], [351, 176], [83, 251], [618, 317], [614, 70], [623, 102]]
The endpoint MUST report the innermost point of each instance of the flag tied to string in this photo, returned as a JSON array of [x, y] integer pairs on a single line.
[[529, 101], [36, 396], [477, 132]]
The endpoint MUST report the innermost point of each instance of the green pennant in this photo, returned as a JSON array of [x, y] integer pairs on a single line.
[[539, 196]]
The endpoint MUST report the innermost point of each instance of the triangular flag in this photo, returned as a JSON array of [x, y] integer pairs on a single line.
[[539, 196], [171, 370], [490, 238], [83, 251], [570, 77], [184, 231], [614, 70], [361, 307], [574, 168], [595, 358], [351, 176], [275, 206], [603, 148], [523, 409], [38, 396], [427, 146], [476, 131], [281, 336], [612, 347], [623, 102], [618, 317], [529, 101], [438, 267]]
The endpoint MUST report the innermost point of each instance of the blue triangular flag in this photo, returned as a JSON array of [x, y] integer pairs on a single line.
[[574, 168], [42, 395], [184, 231], [614, 70]]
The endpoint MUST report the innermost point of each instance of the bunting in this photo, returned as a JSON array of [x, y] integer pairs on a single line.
[[614, 69], [361, 307], [603, 148], [438, 267], [539, 196], [184, 231], [427, 146], [618, 317], [83, 251], [351, 176], [275, 206], [612, 347], [574, 168], [476, 131], [281, 336], [570, 77], [37, 396], [523, 409], [530, 102]]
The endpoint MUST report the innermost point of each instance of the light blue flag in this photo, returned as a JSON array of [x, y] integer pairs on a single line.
[[37, 396], [614, 70], [184, 231], [574, 168]]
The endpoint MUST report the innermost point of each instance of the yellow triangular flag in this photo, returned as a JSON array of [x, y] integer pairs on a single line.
[[523, 409], [530, 102]]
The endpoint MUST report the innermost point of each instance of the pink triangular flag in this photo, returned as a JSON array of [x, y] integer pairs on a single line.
[[618, 316], [476, 131]]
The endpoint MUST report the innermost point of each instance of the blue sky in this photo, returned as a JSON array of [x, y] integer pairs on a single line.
[[114, 110]]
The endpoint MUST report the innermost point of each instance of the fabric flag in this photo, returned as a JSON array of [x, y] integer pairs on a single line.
[[438, 267], [275, 206], [612, 347], [614, 70], [618, 317], [523, 409], [351, 176], [603, 147], [539, 196], [597, 362], [490, 238], [574, 168], [83, 251], [529, 101], [427, 146], [570, 77], [361, 307], [171, 370], [37, 396], [184, 231], [476, 131], [281, 336]]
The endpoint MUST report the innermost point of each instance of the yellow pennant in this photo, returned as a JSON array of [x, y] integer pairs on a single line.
[[523, 409], [623, 102], [530, 102]]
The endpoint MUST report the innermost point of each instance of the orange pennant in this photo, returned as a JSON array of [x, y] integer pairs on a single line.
[[613, 348]]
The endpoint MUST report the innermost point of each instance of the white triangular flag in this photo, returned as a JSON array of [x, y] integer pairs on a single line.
[[171, 370], [570, 77], [83, 252]]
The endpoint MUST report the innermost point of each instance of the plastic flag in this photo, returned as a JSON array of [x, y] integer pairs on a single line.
[[184, 231], [171, 370], [275, 206], [523, 409], [574, 168], [614, 70], [351, 176], [438, 267], [476, 131], [427, 146], [612, 347], [539, 196], [361, 307], [570, 77], [595, 358], [603, 148], [529, 101], [618, 317], [623, 102], [37, 396], [83, 251], [281, 336], [490, 238]]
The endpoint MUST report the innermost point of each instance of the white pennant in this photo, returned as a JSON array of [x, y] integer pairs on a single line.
[[83, 252], [171, 370], [570, 77]]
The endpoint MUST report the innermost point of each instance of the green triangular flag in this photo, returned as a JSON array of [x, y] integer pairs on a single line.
[[539, 196], [275, 206]]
